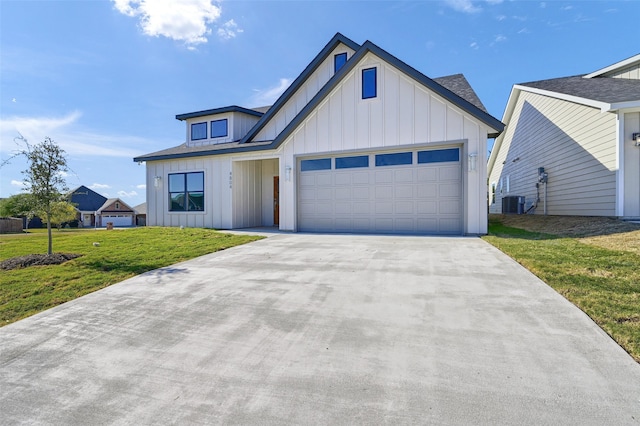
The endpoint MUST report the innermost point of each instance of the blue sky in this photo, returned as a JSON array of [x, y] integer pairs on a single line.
[[105, 79]]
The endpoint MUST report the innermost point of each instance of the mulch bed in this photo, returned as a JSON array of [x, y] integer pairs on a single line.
[[37, 260]]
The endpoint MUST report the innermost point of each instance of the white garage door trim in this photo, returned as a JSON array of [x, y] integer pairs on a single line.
[[117, 220], [416, 191]]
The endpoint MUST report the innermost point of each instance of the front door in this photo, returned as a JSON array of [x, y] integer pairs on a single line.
[[276, 200]]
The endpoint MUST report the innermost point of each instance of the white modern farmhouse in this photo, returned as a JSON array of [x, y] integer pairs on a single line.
[[571, 146], [360, 142]]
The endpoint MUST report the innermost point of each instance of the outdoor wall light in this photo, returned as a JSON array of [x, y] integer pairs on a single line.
[[156, 181], [636, 138], [473, 160], [287, 173]]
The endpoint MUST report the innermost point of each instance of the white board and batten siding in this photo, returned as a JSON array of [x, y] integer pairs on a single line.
[[631, 72], [574, 143], [404, 113], [217, 192], [302, 97], [631, 167]]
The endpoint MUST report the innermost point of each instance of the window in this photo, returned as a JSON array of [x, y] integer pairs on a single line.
[[186, 192], [439, 155], [369, 83], [198, 131], [493, 193], [311, 165], [117, 206], [338, 61], [394, 159], [352, 162], [219, 128]]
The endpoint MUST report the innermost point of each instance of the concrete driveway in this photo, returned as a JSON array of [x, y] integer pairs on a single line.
[[321, 329]]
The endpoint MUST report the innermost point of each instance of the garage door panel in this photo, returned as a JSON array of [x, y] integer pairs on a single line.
[[404, 207], [117, 220], [428, 190], [403, 191], [416, 198], [404, 175]]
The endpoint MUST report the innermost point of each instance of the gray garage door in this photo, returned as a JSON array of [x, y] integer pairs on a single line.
[[411, 192]]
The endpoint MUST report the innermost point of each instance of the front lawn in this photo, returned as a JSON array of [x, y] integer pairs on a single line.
[[603, 282], [118, 255]]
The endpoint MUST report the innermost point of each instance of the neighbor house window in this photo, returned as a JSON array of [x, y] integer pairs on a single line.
[[493, 193], [369, 83], [338, 61], [186, 192], [219, 128], [198, 131], [117, 206]]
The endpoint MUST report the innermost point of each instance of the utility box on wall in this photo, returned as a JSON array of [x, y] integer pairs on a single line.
[[513, 204]]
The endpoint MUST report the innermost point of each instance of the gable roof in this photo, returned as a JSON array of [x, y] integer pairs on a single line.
[[110, 201], [615, 67], [457, 92], [601, 92], [298, 82], [86, 199]]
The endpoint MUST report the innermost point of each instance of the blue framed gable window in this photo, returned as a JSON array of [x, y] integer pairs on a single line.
[[186, 192], [219, 128], [369, 83], [198, 131], [338, 61]]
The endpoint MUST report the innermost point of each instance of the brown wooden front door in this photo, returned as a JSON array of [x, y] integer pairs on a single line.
[[276, 200]]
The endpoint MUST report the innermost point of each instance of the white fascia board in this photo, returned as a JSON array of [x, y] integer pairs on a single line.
[[624, 105], [615, 66], [603, 106], [508, 112]]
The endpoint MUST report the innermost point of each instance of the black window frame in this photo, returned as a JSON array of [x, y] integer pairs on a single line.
[[365, 80], [226, 128], [342, 57], [187, 195], [205, 130]]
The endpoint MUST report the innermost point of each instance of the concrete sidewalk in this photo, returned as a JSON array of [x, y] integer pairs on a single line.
[[320, 329]]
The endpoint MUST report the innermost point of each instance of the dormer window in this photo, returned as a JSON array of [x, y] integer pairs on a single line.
[[369, 83], [338, 61], [198, 131], [219, 128]]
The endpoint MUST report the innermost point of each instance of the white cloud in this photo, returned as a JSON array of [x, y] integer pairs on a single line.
[[268, 96], [68, 133], [465, 6], [99, 186], [474, 45], [143, 186], [499, 38], [229, 30], [543, 5], [18, 183], [181, 20], [501, 17], [524, 31], [494, 1], [125, 194], [566, 7]]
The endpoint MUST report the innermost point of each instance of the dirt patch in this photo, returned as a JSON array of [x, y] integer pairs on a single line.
[[37, 260], [567, 226]]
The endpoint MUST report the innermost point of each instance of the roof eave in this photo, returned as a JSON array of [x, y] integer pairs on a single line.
[[236, 149], [222, 110]]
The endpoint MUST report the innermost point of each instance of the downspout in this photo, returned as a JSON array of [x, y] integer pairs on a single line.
[[543, 177]]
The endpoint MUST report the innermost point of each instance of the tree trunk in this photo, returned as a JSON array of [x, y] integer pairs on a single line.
[[50, 247]]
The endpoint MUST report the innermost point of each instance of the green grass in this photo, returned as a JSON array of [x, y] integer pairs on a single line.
[[121, 254], [603, 283]]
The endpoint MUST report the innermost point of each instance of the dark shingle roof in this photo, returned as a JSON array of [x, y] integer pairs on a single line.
[[601, 89], [86, 199], [459, 85], [197, 151]]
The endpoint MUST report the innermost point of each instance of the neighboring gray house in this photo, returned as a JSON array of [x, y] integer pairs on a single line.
[[575, 138], [360, 142]]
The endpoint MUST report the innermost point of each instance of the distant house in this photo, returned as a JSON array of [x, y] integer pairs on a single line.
[[96, 210], [117, 212], [141, 214], [360, 142], [575, 139], [87, 202]]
